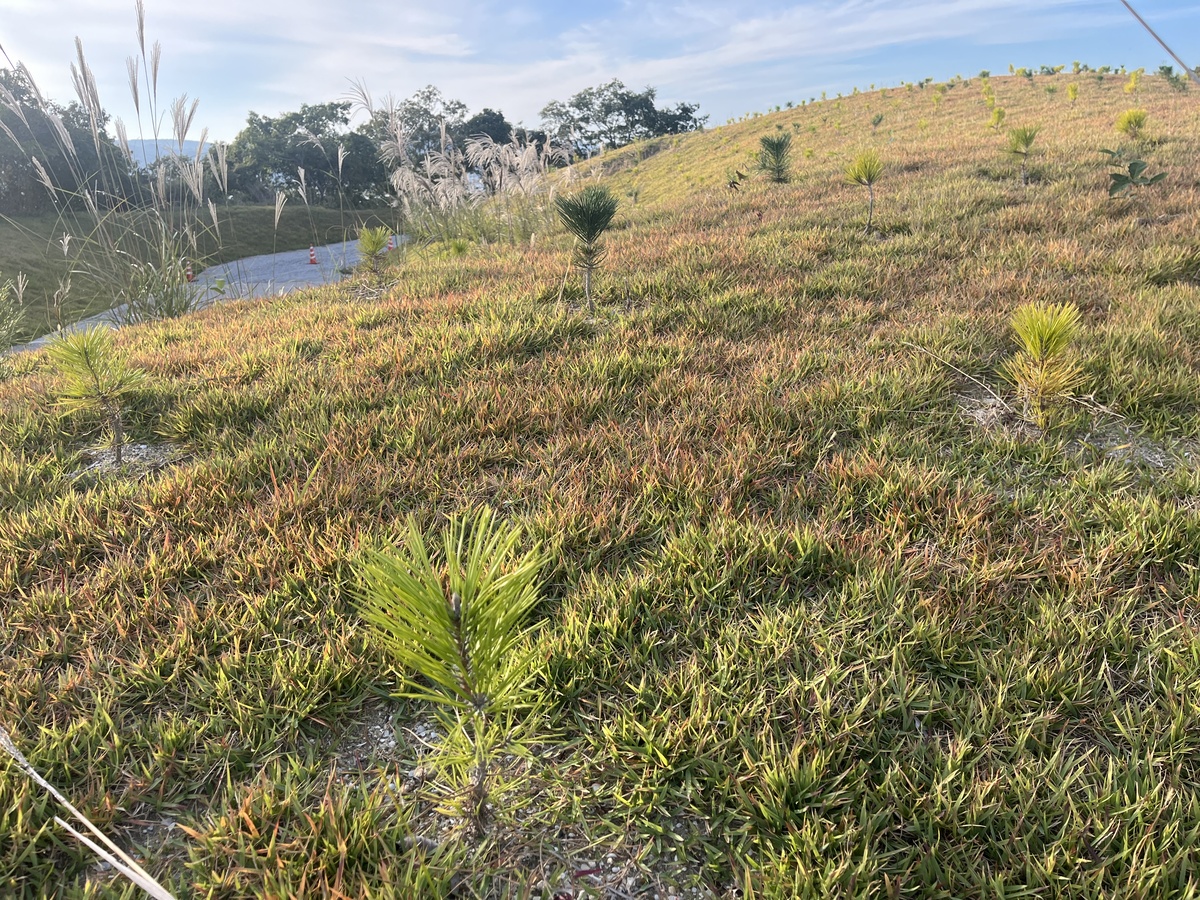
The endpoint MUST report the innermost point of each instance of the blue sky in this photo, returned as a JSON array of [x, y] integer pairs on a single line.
[[731, 57]]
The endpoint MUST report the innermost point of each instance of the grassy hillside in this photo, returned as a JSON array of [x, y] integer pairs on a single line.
[[824, 617], [32, 246]]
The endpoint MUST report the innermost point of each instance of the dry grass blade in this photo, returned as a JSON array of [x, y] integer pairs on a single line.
[[114, 854]]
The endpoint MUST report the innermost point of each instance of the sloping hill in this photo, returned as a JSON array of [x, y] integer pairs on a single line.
[[824, 616]]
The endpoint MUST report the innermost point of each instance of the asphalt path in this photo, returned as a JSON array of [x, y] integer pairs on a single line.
[[255, 276]]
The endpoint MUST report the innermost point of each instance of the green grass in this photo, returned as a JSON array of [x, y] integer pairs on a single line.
[[31, 246], [822, 617]]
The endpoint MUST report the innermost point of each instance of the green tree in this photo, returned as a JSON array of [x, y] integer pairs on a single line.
[[611, 115], [486, 122], [269, 154], [42, 141]]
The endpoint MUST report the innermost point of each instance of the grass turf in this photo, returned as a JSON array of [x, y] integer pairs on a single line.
[[822, 618]]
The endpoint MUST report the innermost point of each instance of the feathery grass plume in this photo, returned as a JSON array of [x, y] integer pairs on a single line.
[[865, 171], [121, 212], [96, 379], [458, 621], [1132, 123], [1020, 144], [1042, 370], [587, 214], [109, 852], [156, 284], [775, 157]]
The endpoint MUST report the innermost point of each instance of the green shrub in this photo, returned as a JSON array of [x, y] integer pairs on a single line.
[[457, 620], [1133, 176]]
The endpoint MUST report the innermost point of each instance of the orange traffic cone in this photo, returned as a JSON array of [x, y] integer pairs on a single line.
[[189, 273], [312, 255]]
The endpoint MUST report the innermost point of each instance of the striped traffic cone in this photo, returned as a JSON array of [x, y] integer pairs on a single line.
[[391, 242], [191, 276], [312, 255]]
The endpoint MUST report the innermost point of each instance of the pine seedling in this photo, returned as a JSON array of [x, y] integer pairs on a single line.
[[997, 120], [1073, 92], [372, 242], [865, 171], [1020, 144], [1132, 123], [775, 157], [587, 214], [457, 621], [96, 379], [1042, 370]]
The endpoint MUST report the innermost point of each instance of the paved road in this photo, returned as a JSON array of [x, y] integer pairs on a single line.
[[254, 276]]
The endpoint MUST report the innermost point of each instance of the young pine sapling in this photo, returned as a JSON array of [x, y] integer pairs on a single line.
[[775, 157], [457, 620], [96, 379], [587, 214], [1043, 371], [1020, 144], [372, 243], [865, 171]]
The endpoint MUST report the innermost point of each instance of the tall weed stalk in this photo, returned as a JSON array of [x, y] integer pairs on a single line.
[[128, 230]]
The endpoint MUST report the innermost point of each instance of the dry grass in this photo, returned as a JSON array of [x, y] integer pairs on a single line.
[[810, 630]]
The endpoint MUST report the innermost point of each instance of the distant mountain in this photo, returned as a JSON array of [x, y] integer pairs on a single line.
[[144, 153]]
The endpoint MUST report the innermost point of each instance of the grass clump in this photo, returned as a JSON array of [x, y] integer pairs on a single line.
[[775, 157], [587, 214], [10, 311], [1043, 371], [459, 622]]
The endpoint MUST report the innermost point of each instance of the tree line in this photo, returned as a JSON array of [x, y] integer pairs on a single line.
[[311, 150]]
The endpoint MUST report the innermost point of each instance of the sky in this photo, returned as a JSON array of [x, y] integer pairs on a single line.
[[730, 56]]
